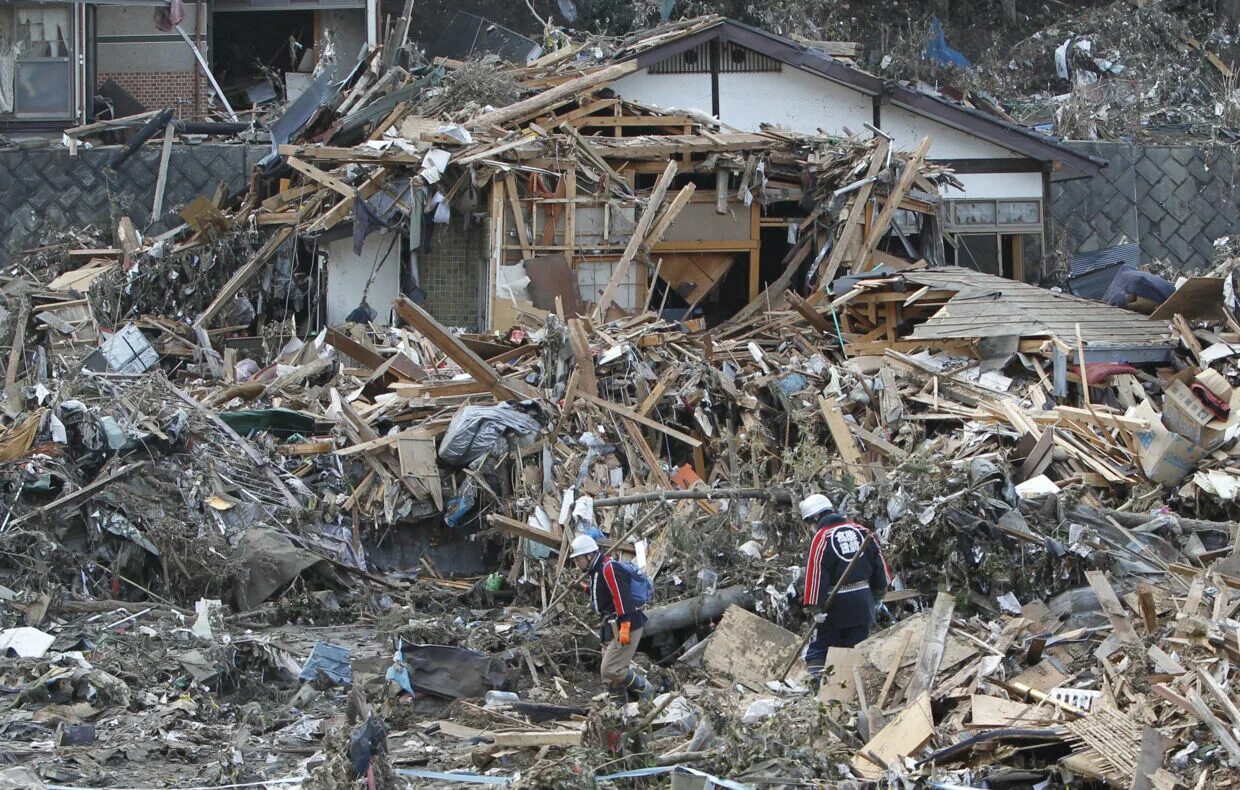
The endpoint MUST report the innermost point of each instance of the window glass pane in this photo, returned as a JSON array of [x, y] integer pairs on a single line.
[[970, 212], [43, 32], [1019, 213], [42, 87]]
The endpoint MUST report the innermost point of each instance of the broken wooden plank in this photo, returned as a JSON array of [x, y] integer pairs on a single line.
[[545, 99], [892, 203], [843, 437], [1198, 707], [905, 735], [1112, 608], [669, 215], [933, 643], [635, 241], [398, 364], [580, 343], [18, 346], [242, 276], [459, 353], [161, 180], [856, 214], [82, 494], [526, 739], [323, 177], [629, 414]]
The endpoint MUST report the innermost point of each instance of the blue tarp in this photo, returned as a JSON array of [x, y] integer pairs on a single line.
[[332, 660]]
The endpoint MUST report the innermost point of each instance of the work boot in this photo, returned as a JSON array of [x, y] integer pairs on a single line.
[[814, 668], [619, 694], [637, 685]]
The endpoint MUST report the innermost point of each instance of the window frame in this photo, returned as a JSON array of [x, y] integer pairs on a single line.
[[69, 109], [996, 226]]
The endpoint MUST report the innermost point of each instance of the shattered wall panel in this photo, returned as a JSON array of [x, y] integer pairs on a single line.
[[48, 189], [1173, 200]]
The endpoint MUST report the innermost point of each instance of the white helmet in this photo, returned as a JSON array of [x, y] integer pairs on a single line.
[[814, 504], [583, 544]]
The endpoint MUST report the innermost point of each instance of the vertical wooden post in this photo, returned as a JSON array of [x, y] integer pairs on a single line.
[[497, 251], [755, 253], [570, 216]]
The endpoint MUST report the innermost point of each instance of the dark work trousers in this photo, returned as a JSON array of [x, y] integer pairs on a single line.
[[826, 638]]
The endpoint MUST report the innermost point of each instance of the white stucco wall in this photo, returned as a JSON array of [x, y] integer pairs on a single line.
[[682, 91], [998, 185], [793, 99], [347, 275], [948, 143], [805, 102]]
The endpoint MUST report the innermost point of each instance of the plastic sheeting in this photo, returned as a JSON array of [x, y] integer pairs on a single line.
[[476, 430]]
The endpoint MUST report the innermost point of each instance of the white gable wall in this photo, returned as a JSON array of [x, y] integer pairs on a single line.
[[679, 91], [793, 99], [949, 143], [805, 102]]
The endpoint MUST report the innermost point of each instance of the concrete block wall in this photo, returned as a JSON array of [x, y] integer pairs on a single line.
[[48, 190], [453, 273], [1174, 201]]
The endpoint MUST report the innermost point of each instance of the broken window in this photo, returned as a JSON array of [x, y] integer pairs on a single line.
[[36, 76]]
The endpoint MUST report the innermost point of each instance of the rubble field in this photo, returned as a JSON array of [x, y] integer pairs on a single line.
[[243, 547]]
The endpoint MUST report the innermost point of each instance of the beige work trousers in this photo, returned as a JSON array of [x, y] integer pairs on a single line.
[[617, 657]]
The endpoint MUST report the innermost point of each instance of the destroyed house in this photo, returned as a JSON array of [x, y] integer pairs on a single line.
[[66, 63], [748, 78]]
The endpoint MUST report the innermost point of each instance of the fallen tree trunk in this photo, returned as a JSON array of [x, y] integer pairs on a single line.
[[692, 611], [780, 496]]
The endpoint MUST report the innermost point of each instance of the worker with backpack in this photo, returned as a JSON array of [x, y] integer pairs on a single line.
[[618, 591]]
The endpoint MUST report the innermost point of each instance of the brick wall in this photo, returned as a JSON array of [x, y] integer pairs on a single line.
[[453, 273], [158, 90]]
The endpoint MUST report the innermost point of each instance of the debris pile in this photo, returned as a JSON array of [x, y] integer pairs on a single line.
[[1120, 71], [246, 543]]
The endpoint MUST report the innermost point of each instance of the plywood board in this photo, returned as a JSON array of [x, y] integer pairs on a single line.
[[693, 275], [749, 649], [1198, 298], [551, 276], [80, 279], [1042, 676], [419, 463], [997, 712], [903, 736], [837, 676], [882, 648]]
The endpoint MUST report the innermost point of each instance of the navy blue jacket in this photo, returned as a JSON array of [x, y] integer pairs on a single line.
[[836, 542], [611, 595]]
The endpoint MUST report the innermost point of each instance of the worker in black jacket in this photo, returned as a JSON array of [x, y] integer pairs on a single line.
[[611, 596], [835, 543]]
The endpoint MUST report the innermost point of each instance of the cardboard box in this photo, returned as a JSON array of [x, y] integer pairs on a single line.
[[1166, 457], [1184, 413]]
